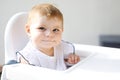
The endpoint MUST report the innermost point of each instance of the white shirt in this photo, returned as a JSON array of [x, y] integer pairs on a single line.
[[38, 58]]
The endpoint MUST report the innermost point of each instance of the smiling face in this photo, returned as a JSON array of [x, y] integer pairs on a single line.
[[45, 32]]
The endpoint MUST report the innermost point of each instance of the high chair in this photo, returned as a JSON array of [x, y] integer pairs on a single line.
[[15, 36], [96, 62]]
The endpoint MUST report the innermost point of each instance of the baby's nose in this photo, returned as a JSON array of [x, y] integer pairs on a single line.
[[48, 33]]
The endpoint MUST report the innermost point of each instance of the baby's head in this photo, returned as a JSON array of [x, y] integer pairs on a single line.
[[45, 25], [47, 10]]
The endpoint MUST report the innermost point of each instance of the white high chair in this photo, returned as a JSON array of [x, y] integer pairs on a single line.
[[97, 63], [15, 36]]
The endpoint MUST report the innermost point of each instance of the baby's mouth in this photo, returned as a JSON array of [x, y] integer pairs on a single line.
[[48, 40]]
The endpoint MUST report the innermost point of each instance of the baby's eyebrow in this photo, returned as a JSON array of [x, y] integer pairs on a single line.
[[41, 26]]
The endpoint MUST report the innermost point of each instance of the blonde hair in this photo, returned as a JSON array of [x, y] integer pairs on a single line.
[[47, 10]]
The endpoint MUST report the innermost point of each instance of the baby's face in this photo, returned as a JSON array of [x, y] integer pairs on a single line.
[[44, 32]]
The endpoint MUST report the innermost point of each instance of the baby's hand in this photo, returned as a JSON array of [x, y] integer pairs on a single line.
[[72, 59]]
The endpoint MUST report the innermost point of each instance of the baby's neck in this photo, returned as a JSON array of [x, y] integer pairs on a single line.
[[48, 51]]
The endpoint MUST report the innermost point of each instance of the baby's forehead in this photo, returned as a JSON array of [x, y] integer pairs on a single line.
[[47, 21], [40, 17], [48, 16]]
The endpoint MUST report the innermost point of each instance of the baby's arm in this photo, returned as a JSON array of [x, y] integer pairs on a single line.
[[72, 59]]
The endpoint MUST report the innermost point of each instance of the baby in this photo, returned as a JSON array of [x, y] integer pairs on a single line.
[[46, 47]]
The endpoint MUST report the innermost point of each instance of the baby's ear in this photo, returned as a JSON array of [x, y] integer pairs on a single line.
[[27, 29]]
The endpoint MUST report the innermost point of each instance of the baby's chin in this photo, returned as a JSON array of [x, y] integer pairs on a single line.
[[50, 46]]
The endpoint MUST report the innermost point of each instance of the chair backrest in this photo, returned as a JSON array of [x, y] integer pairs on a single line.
[[15, 36]]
